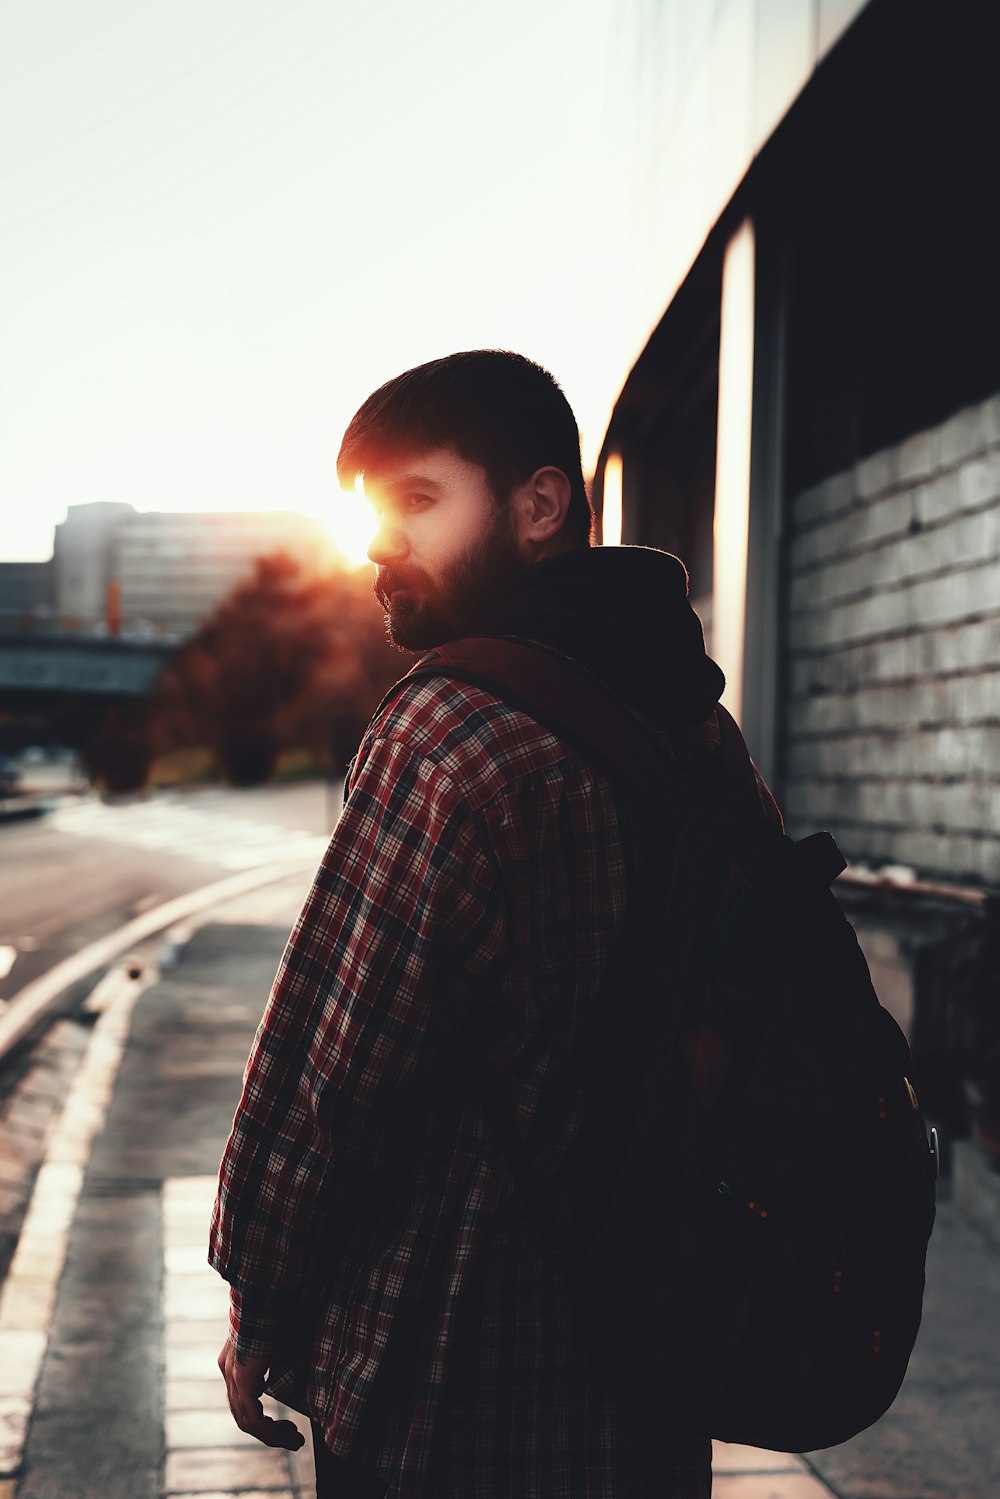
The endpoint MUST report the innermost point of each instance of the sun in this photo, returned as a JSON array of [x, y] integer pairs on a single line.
[[351, 523]]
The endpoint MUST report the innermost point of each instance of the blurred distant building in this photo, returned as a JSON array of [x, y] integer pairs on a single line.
[[162, 572], [809, 415], [176, 568], [84, 558]]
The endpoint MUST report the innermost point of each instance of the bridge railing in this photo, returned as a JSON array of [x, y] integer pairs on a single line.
[[70, 627]]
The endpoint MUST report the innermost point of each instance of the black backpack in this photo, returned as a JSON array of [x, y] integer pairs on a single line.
[[752, 1257]]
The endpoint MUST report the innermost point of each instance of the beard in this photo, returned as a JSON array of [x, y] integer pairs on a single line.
[[422, 612]]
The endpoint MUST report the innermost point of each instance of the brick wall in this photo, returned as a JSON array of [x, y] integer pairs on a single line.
[[892, 630]]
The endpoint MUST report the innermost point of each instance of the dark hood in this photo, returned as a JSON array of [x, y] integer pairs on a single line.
[[623, 613]]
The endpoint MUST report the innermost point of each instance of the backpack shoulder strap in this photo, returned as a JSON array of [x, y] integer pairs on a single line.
[[562, 696], [566, 698], [580, 707]]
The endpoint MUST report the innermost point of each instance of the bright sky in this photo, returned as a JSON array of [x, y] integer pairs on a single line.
[[224, 222]]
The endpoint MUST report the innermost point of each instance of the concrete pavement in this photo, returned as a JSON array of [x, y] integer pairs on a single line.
[[110, 1320]]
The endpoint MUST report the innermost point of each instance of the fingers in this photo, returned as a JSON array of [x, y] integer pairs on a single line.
[[281, 1434], [244, 1384], [272, 1433]]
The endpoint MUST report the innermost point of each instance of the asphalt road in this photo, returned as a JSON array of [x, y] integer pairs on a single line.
[[83, 869]]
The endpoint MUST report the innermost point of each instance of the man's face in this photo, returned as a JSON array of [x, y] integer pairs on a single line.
[[443, 542]]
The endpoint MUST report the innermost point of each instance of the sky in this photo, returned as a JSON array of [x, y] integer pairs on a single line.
[[224, 222]]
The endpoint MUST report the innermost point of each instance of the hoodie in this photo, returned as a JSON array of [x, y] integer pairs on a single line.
[[623, 613]]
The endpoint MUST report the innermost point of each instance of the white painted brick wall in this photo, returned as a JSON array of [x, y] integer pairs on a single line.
[[892, 713]]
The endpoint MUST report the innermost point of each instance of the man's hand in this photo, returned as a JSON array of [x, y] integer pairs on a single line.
[[244, 1384]]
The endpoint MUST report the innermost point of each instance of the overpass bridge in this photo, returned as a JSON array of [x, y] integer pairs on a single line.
[[85, 689], [54, 661]]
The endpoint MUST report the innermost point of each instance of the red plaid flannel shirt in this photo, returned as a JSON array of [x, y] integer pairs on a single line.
[[366, 1218]]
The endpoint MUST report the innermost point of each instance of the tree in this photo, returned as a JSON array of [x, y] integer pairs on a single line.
[[287, 660]]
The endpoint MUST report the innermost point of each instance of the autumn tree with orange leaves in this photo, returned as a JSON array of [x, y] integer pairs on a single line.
[[286, 661]]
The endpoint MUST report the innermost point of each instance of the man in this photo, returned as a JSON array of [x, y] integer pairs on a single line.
[[386, 1273]]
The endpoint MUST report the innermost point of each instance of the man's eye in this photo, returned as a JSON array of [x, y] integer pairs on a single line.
[[415, 501]]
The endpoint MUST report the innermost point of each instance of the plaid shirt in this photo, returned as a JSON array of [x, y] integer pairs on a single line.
[[375, 1241]]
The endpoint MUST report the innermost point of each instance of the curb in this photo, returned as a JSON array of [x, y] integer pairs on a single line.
[[29, 1290], [976, 1189], [28, 1294], [32, 1004]]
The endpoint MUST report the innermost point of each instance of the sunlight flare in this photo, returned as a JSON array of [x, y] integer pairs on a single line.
[[351, 523]]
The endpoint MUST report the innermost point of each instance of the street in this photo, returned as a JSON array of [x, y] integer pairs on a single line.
[[83, 869]]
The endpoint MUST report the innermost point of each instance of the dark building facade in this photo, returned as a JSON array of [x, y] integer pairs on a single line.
[[813, 424]]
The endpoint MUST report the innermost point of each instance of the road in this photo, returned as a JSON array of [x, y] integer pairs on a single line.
[[86, 867]]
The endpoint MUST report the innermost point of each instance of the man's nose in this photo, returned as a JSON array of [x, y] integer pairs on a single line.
[[387, 545]]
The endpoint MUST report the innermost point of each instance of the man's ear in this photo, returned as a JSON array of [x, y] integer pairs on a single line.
[[540, 506]]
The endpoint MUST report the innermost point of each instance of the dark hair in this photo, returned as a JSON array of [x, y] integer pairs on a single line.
[[491, 407]]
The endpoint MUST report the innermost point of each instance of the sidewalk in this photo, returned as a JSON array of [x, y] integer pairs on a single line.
[[111, 1325]]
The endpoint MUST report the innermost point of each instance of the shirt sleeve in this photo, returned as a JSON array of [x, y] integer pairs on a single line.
[[403, 923]]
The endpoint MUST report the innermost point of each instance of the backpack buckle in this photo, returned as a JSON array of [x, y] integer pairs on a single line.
[[819, 858]]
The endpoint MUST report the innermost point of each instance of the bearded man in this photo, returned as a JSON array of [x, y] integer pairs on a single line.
[[387, 1277]]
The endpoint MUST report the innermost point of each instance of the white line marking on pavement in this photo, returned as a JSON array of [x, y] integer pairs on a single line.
[[145, 901], [218, 837], [198, 1427], [30, 1004], [29, 1291]]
